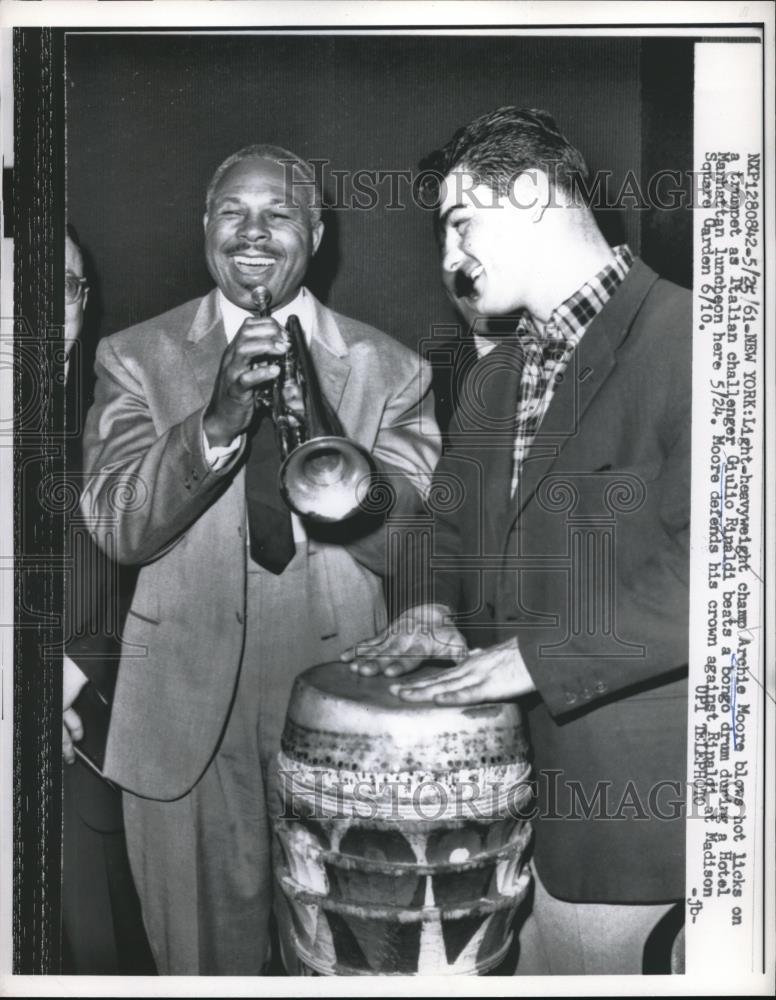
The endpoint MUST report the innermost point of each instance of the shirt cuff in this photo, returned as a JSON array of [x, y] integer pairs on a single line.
[[217, 456]]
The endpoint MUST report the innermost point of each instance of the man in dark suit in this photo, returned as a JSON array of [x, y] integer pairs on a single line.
[[562, 576], [102, 925], [234, 597]]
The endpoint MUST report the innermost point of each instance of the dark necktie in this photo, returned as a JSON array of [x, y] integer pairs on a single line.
[[269, 520]]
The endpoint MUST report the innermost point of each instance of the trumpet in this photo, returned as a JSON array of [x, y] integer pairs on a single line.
[[323, 474]]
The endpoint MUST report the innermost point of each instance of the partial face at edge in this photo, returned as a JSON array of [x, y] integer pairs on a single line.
[[256, 234], [74, 311]]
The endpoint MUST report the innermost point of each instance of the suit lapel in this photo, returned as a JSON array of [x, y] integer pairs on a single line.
[[502, 367], [205, 344], [206, 341], [593, 362], [330, 356]]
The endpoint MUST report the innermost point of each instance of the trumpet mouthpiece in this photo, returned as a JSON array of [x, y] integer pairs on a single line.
[[261, 298]]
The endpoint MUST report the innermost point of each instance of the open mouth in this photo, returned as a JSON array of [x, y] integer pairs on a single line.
[[466, 283], [252, 266]]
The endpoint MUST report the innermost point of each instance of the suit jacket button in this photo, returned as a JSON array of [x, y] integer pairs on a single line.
[[571, 698], [239, 616], [194, 474]]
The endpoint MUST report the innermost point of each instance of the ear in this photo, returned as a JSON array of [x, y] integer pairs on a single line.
[[317, 235], [531, 192]]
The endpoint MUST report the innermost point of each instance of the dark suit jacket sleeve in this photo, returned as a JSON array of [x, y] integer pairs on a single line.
[[85, 641], [99, 671], [651, 608], [97, 604], [426, 585], [142, 488]]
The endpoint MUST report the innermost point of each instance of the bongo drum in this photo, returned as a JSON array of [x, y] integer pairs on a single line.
[[401, 844]]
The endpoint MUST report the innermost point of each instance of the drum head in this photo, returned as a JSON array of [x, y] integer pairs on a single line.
[[356, 723]]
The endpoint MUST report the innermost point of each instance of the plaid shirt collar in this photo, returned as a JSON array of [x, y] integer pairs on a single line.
[[570, 319]]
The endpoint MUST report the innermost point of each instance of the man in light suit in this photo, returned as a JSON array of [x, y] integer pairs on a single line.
[[230, 604], [562, 577]]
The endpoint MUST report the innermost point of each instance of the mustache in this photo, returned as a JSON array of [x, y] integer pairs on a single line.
[[241, 246]]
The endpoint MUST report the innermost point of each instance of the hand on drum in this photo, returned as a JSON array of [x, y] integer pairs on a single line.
[[419, 634], [495, 674]]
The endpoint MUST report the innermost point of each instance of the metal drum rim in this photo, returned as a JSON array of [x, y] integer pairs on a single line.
[[354, 862], [347, 970], [380, 823], [403, 914]]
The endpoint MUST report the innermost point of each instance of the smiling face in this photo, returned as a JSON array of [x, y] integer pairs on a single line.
[[486, 243], [256, 234]]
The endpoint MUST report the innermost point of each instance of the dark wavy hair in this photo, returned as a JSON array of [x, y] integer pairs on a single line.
[[495, 148]]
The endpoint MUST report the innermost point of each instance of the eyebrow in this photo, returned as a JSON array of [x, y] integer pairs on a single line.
[[238, 200], [446, 215]]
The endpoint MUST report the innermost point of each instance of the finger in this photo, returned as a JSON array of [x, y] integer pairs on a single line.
[[463, 696], [447, 677], [386, 641], [388, 661], [442, 697], [402, 653], [252, 377], [371, 666], [387, 650], [259, 347], [68, 754], [258, 324], [417, 648], [378, 658], [365, 668], [262, 332], [406, 692], [403, 664], [364, 647], [72, 722], [436, 686]]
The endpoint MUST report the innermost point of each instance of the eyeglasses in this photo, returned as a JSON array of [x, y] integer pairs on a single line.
[[74, 289]]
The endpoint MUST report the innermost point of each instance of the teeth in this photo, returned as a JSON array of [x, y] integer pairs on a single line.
[[254, 261], [476, 272]]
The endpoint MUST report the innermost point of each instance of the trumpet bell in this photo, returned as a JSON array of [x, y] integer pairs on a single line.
[[325, 479]]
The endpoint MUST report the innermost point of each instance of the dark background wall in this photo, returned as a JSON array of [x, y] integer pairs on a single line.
[[150, 117]]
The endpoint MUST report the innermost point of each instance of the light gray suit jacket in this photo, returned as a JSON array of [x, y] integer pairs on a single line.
[[150, 498]]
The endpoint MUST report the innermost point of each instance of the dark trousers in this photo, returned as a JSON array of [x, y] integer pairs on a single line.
[[102, 926]]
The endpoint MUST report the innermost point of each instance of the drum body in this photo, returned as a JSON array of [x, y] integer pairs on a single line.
[[401, 844]]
